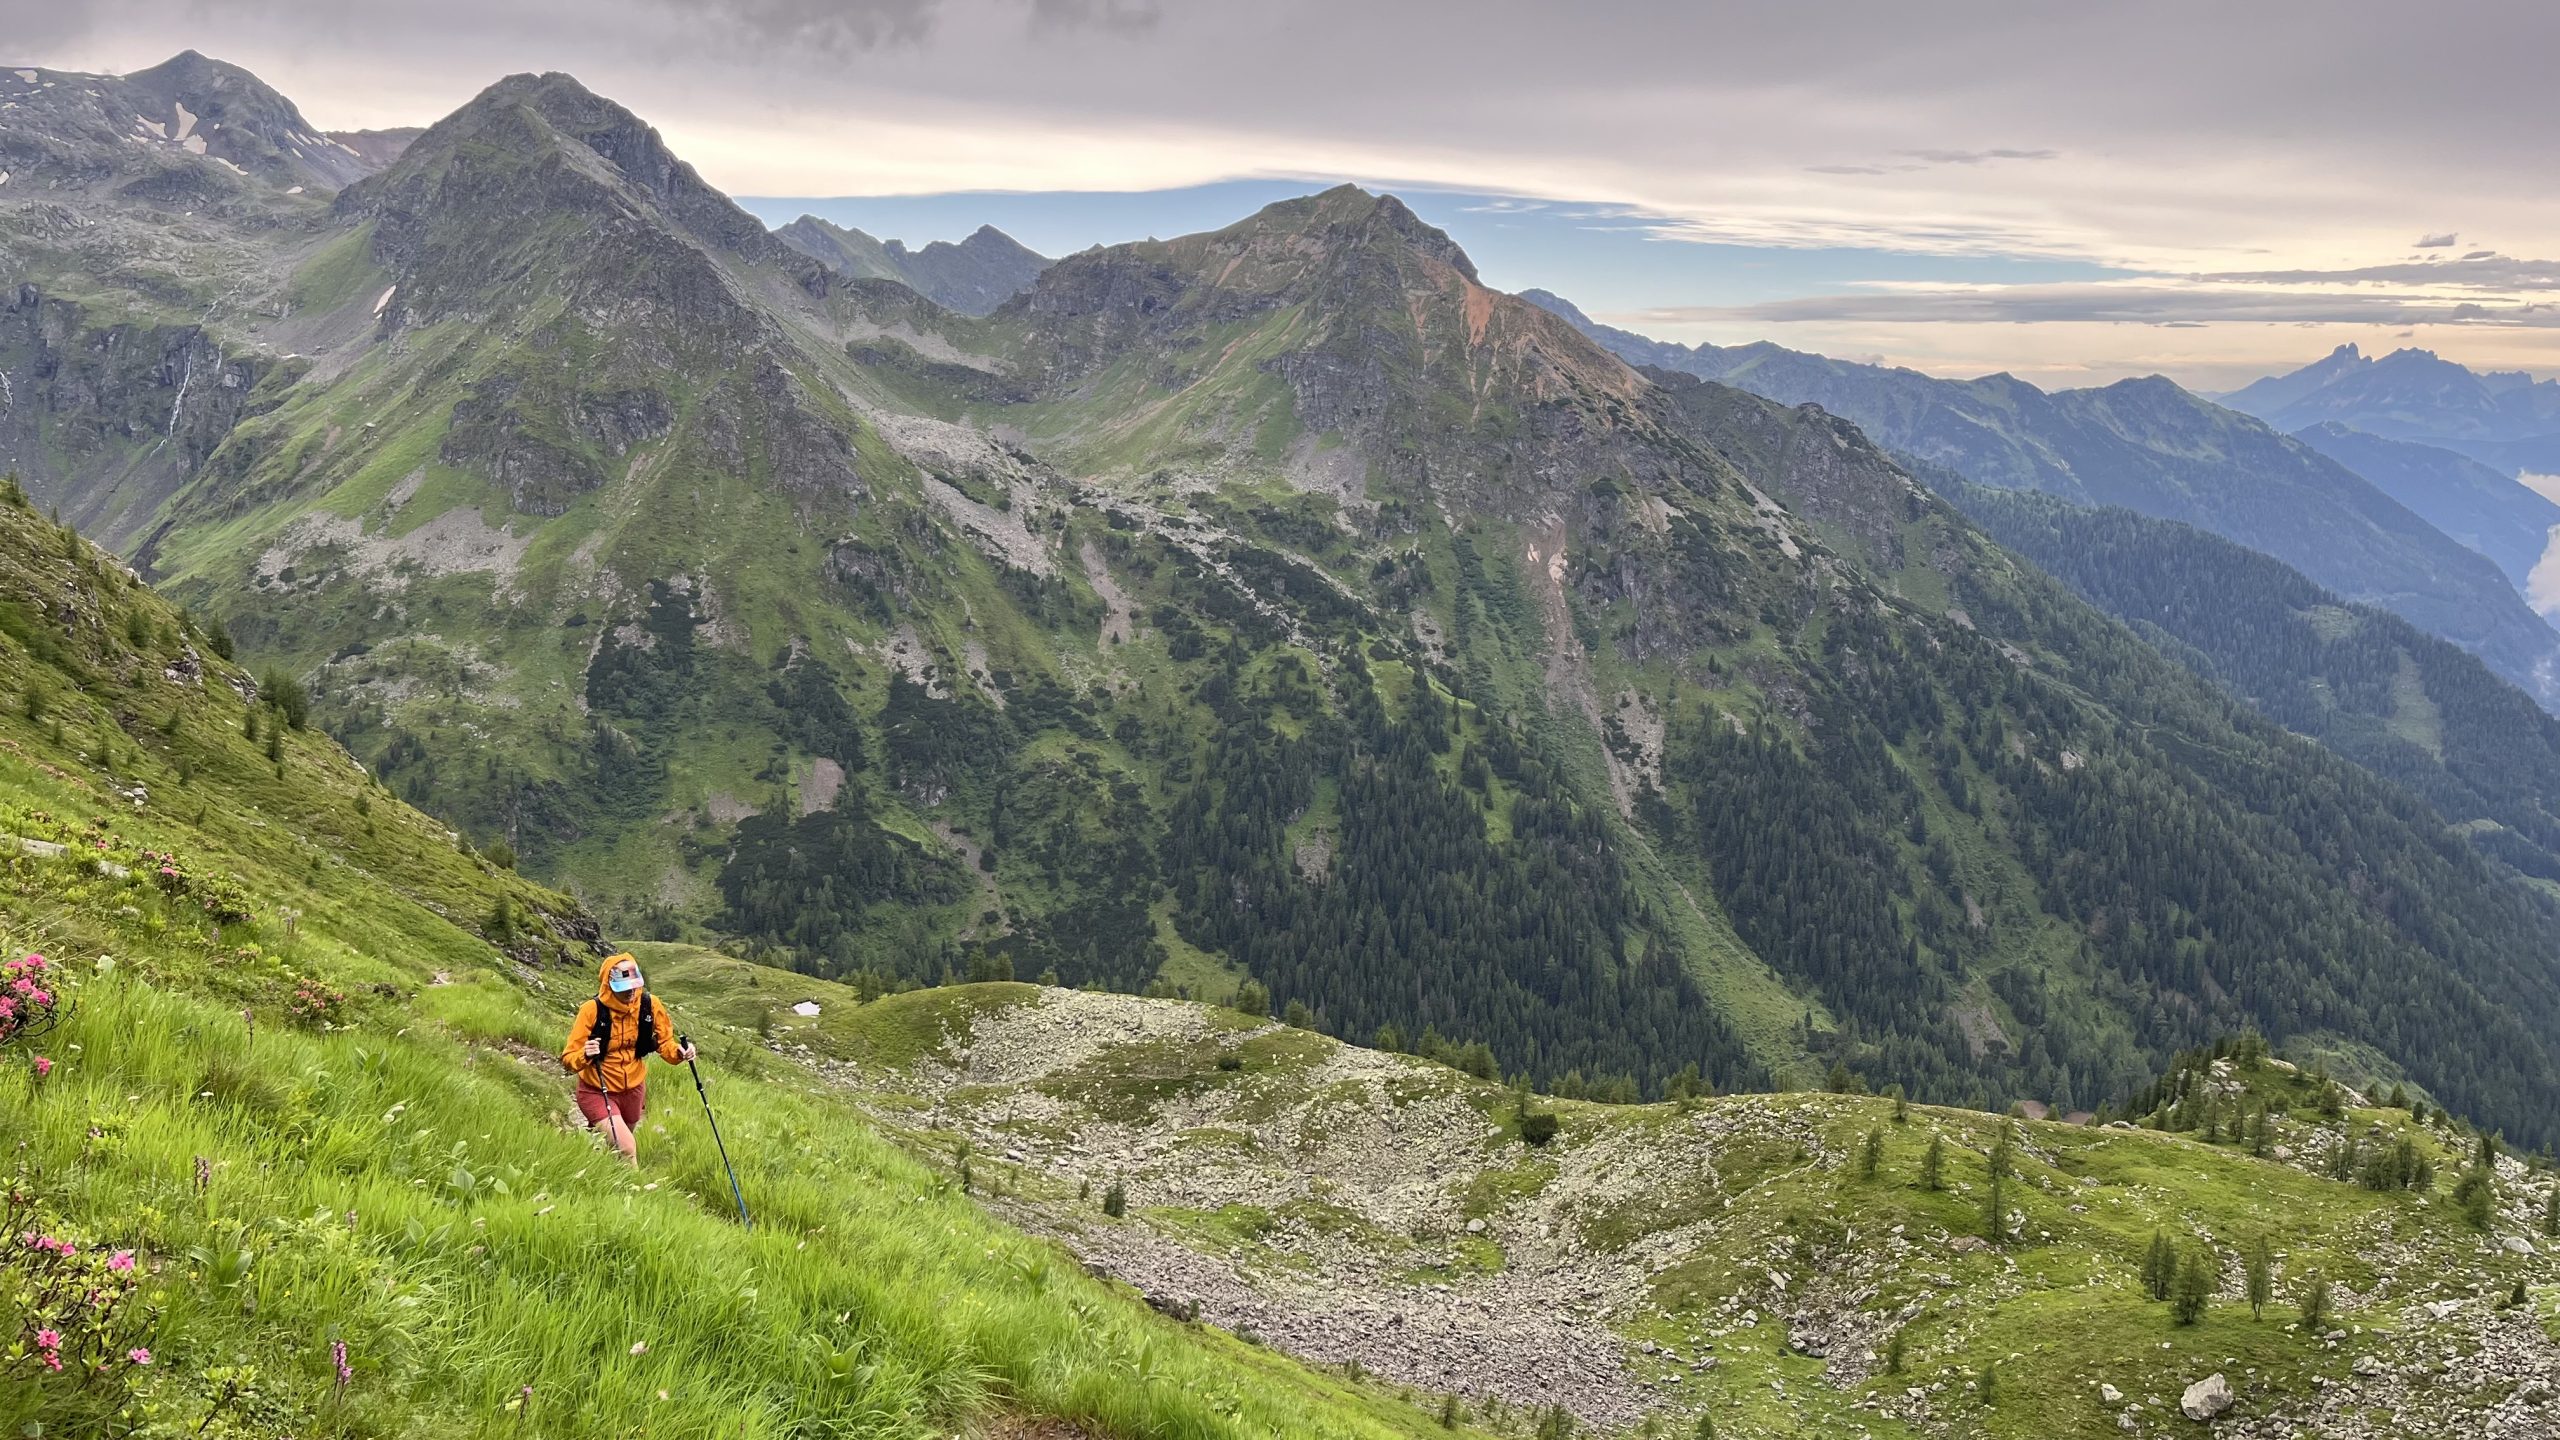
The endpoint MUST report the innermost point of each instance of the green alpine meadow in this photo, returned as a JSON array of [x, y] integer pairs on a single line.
[[619, 821]]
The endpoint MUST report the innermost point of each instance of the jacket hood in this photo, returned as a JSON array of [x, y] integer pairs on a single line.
[[604, 989]]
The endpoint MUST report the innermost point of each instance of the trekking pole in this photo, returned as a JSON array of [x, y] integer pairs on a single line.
[[698, 1088]]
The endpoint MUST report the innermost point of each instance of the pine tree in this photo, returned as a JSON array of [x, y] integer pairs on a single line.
[[2551, 1211], [1933, 1164], [2261, 1275], [2477, 1196], [2159, 1266], [1871, 1154], [1115, 1201], [1901, 1105], [2315, 1304], [2194, 1288], [1995, 1217]]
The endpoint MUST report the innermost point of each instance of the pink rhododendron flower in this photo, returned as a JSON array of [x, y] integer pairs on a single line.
[[48, 1339], [138, 1357], [120, 1261], [44, 1067]]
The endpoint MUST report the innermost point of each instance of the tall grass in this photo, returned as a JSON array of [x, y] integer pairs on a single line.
[[425, 1202]]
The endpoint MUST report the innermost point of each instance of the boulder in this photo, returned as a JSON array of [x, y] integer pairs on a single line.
[[2110, 1394], [2206, 1398]]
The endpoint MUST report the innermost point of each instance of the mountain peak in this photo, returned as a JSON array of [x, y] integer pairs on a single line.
[[1555, 304], [1347, 214], [535, 122]]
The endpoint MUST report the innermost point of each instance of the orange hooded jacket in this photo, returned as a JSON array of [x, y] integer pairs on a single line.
[[618, 1068]]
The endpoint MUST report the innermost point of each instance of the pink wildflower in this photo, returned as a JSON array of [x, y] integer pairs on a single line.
[[8, 1007], [120, 1261], [138, 1357], [52, 1361], [48, 1339], [44, 1067]]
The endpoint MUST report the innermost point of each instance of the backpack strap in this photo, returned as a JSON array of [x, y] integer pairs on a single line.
[[646, 1043], [602, 1033]]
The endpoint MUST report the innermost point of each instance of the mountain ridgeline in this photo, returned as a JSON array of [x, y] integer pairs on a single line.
[[1278, 606], [2503, 417], [2364, 682], [972, 277], [2148, 446]]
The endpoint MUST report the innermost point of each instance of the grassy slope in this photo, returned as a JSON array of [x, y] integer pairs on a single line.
[[403, 1178]]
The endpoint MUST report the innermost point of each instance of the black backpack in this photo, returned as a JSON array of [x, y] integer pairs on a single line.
[[602, 1032]]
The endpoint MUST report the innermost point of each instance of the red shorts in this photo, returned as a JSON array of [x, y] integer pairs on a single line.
[[592, 1102]]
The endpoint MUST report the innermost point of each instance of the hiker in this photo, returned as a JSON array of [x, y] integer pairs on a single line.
[[606, 1046]]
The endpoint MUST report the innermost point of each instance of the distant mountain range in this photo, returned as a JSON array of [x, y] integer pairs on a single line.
[[2155, 449], [972, 277], [2507, 418]]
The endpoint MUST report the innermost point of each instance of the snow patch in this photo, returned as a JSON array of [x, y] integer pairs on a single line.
[[378, 305], [154, 126], [28, 76], [186, 123], [194, 144]]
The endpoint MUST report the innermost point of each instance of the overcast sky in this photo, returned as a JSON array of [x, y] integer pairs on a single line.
[[2071, 192]]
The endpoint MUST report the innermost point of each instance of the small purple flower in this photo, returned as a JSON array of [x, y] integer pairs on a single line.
[[338, 1355]]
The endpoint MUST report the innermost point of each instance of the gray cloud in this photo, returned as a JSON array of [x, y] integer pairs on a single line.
[[2486, 272], [1118, 17], [2122, 303], [830, 27], [2445, 241], [1977, 157]]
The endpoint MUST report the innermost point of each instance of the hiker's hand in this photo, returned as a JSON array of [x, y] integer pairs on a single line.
[[687, 1056], [594, 1047]]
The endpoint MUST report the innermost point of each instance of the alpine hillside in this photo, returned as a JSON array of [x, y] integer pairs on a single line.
[[1271, 611], [2148, 446]]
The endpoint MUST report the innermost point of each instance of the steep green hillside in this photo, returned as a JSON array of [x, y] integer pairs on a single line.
[[305, 1081], [2367, 684], [1276, 604], [1770, 1265], [2148, 446]]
